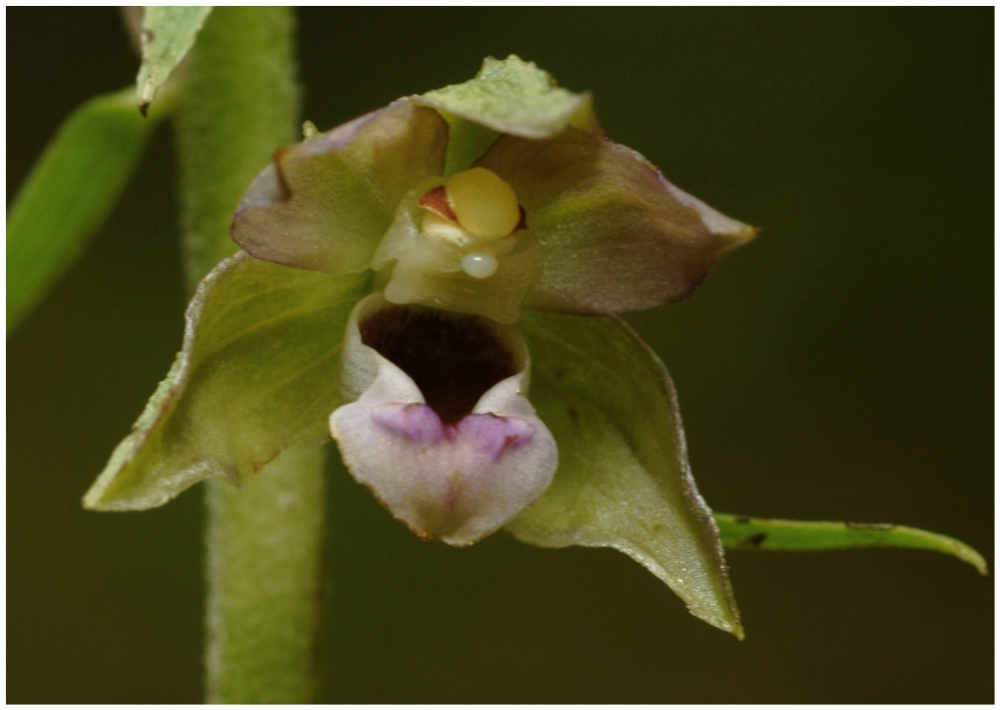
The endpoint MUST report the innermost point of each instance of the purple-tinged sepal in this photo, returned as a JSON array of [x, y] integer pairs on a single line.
[[324, 203], [441, 429], [615, 235], [484, 198]]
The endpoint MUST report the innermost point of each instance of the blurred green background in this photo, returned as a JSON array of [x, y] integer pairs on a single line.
[[840, 367]]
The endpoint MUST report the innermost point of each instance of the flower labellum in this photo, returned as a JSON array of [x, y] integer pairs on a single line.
[[402, 278], [442, 431]]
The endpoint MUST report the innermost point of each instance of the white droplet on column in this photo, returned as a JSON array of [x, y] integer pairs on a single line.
[[479, 265]]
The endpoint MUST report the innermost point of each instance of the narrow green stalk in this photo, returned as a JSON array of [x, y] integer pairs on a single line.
[[740, 532], [239, 104], [264, 562]]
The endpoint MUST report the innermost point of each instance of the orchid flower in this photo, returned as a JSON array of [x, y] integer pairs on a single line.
[[435, 286]]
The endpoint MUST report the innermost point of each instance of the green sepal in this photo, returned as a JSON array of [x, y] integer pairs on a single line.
[[167, 35], [69, 193], [623, 479], [740, 532], [506, 96], [258, 373]]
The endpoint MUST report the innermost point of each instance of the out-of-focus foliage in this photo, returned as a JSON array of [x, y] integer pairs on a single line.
[[69, 193]]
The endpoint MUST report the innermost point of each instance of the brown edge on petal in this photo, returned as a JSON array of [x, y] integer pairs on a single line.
[[286, 190], [685, 264], [271, 192], [422, 534], [272, 187], [523, 222], [327, 142]]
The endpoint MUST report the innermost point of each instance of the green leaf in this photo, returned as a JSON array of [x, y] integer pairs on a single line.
[[259, 372], [509, 96], [167, 35], [68, 195], [740, 532], [623, 479]]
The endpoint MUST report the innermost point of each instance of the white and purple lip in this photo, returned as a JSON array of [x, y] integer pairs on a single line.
[[451, 445]]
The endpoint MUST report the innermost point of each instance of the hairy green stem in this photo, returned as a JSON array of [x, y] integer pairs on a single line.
[[264, 564], [239, 104]]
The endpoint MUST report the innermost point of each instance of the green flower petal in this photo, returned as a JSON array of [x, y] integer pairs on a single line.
[[513, 96], [623, 479], [615, 234], [259, 372], [326, 202]]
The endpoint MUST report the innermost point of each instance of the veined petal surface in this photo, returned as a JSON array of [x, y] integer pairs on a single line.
[[259, 372], [325, 203], [512, 96], [616, 236], [623, 480]]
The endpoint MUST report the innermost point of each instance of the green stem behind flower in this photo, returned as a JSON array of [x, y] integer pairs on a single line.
[[239, 104], [264, 570]]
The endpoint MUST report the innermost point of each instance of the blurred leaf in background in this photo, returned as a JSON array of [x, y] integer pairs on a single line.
[[69, 193]]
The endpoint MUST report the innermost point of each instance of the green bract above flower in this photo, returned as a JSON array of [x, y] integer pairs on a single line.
[[418, 235]]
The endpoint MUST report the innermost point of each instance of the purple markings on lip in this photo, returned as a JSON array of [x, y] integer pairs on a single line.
[[491, 434], [495, 435], [414, 422]]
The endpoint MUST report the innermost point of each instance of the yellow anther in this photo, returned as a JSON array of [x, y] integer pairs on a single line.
[[484, 204]]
